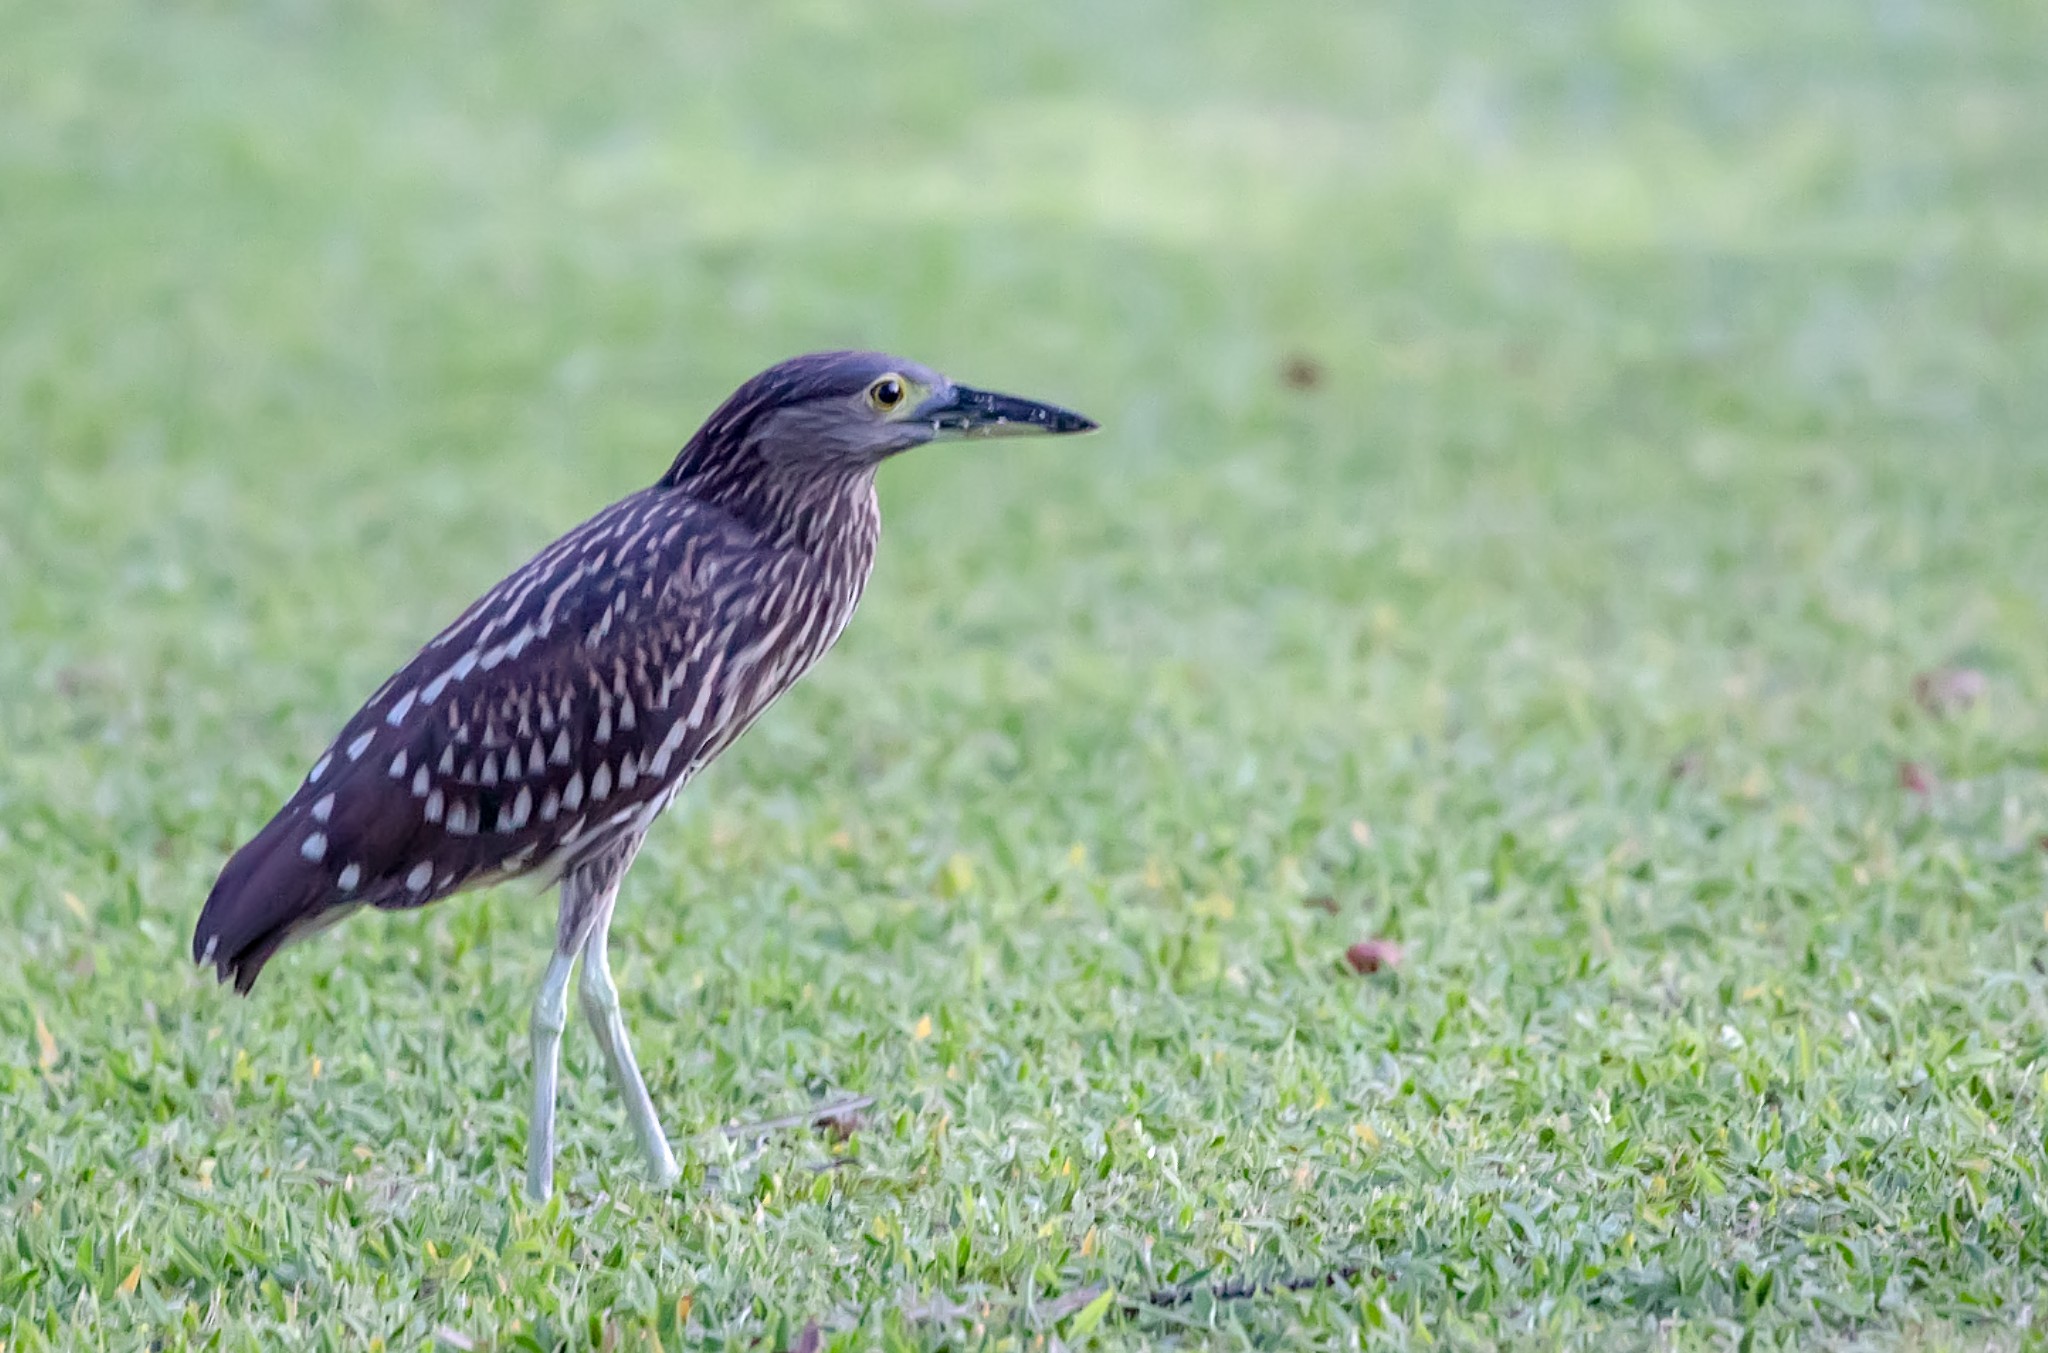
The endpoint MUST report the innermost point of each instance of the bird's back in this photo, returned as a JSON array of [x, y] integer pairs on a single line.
[[563, 709]]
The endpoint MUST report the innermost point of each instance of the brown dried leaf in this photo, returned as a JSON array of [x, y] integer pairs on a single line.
[[816, 1117], [1949, 690], [1299, 371], [841, 1125], [1372, 955], [1916, 779]]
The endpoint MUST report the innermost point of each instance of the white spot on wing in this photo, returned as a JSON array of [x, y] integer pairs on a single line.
[[668, 746], [319, 767], [550, 805], [514, 768], [422, 874], [401, 709], [398, 765], [572, 793], [560, 756], [746, 659], [360, 745], [704, 688], [601, 782], [323, 808], [432, 811], [350, 877], [314, 847], [419, 782]]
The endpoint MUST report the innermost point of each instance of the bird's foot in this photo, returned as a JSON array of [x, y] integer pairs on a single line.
[[662, 1170]]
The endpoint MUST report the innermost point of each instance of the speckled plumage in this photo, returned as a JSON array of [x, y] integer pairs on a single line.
[[545, 729], [567, 706]]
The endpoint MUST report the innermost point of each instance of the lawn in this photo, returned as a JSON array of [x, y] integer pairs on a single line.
[[1543, 446]]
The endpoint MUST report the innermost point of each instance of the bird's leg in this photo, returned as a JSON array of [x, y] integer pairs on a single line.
[[589, 889], [587, 894], [601, 1008], [550, 1017]]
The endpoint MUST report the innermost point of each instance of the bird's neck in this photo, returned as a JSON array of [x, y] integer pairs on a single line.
[[835, 519], [824, 515]]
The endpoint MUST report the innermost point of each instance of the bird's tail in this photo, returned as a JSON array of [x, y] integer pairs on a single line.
[[267, 895]]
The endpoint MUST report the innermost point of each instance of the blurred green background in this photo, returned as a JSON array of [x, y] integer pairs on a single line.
[[1542, 447]]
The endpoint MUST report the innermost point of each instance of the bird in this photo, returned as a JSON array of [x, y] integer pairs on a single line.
[[542, 732]]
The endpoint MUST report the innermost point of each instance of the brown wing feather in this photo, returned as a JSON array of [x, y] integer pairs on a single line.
[[566, 706]]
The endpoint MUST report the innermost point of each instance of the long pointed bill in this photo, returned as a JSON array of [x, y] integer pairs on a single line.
[[961, 412]]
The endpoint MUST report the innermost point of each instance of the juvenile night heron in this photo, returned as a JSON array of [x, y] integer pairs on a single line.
[[544, 731]]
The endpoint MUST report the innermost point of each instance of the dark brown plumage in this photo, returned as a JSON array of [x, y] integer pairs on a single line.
[[564, 708], [545, 729]]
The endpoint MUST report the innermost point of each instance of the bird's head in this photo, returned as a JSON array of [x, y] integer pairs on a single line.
[[841, 411]]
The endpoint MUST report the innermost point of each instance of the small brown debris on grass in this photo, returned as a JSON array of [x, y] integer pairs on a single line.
[[1373, 955], [1949, 690], [810, 1340], [821, 1116], [1916, 779], [840, 1124], [1299, 371], [1322, 902]]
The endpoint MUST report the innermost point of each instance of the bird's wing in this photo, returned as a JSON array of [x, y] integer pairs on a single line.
[[565, 706]]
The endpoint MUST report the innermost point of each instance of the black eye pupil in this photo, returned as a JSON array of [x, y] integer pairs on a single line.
[[888, 392]]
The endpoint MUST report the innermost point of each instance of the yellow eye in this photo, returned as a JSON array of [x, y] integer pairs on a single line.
[[886, 393]]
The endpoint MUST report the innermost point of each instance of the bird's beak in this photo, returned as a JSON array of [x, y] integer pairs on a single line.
[[960, 412]]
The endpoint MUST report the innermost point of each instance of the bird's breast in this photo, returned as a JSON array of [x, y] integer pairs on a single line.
[[766, 616]]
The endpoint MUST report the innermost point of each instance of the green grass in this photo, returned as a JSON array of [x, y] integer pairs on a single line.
[[1681, 399]]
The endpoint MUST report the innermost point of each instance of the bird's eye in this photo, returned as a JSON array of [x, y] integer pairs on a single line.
[[886, 393]]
